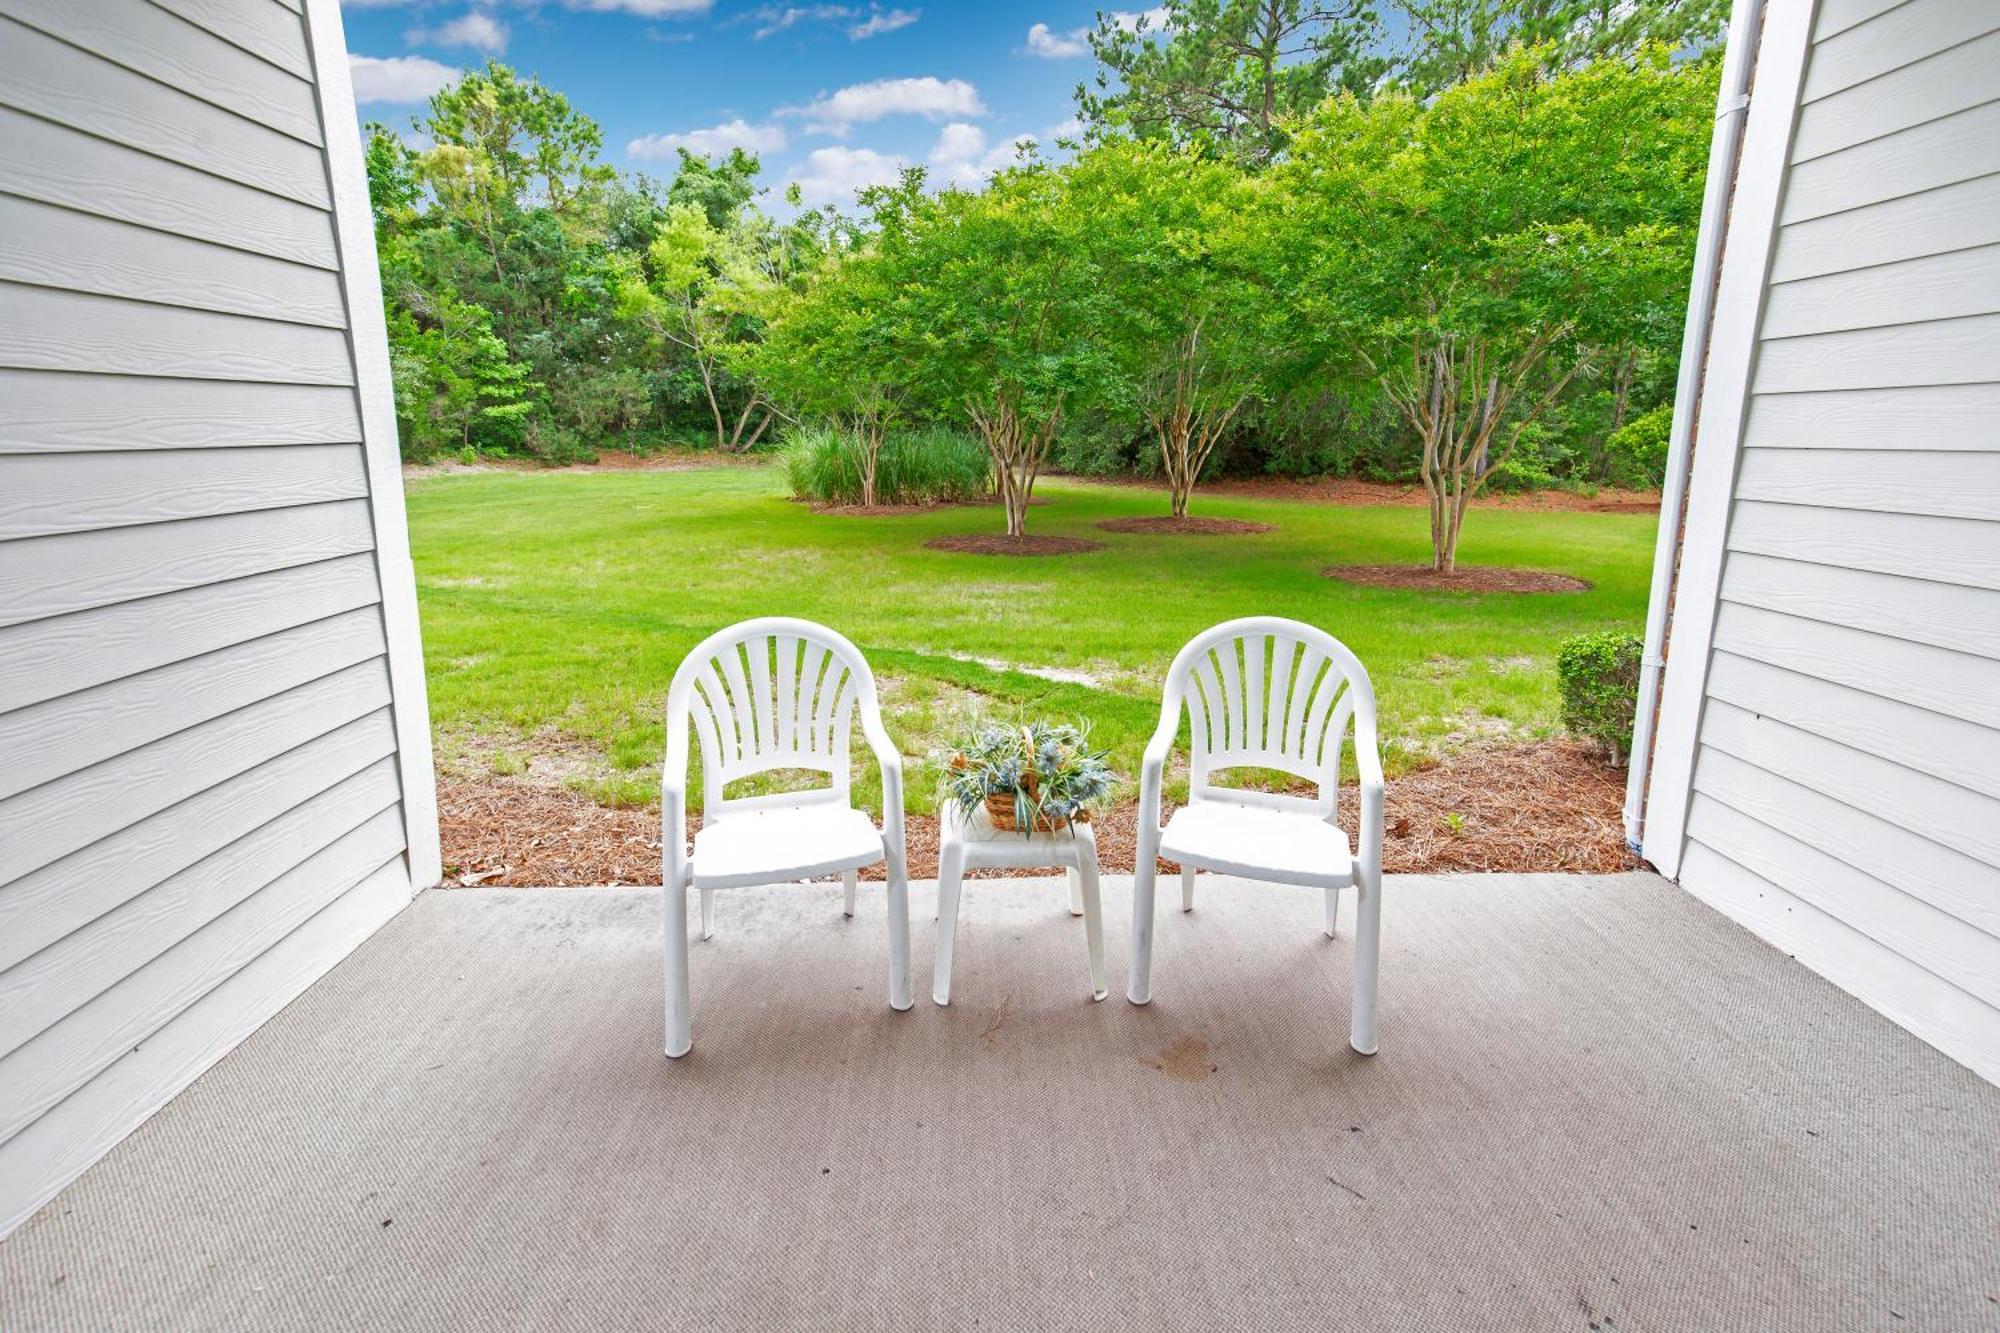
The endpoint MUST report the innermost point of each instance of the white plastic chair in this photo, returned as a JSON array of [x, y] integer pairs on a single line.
[[1265, 692], [772, 694]]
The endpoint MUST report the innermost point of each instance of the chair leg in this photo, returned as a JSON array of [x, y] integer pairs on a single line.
[[1187, 888], [1093, 924], [675, 953], [1139, 986], [1333, 914], [1367, 960], [899, 930], [708, 914], [1075, 892], [849, 883]]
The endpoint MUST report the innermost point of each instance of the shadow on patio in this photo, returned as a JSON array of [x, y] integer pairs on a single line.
[[1598, 1105]]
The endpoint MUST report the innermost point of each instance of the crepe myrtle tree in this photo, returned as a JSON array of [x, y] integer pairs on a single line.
[[1477, 255], [1183, 260], [836, 349], [1001, 311]]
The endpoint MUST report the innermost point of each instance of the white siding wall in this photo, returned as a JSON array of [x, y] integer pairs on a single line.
[[1840, 790], [213, 774]]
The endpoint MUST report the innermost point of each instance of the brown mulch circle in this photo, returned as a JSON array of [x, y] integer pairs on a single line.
[[1548, 806], [1186, 526], [1423, 578], [999, 543]]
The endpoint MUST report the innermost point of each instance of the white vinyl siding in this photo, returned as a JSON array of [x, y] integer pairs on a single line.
[[1845, 786], [205, 790]]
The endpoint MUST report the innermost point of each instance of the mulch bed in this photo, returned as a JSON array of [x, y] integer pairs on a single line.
[[1423, 578], [1551, 806], [1185, 526], [999, 543]]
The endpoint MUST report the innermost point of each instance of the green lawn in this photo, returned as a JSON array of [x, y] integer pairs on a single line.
[[557, 605]]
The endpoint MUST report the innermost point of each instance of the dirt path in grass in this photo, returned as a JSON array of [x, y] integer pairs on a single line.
[[1547, 806]]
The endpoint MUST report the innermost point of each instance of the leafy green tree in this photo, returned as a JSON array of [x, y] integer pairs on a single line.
[[1451, 41], [455, 385], [722, 189], [698, 291], [1229, 74], [1006, 315], [1476, 256], [1183, 260], [840, 350], [528, 140]]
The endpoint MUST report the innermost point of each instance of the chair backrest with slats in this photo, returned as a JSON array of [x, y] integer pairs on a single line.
[[767, 694], [1265, 692]]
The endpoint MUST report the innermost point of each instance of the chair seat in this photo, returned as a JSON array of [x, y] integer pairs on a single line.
[[779, 843], [1259, 844]]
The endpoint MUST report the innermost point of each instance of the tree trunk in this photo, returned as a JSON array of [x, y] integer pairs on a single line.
[[1018, 453], [871, 456]]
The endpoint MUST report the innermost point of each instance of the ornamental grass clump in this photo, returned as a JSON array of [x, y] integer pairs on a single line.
[[1033, 777]]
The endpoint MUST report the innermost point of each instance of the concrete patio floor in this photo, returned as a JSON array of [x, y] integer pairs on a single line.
[[1598, 1105]]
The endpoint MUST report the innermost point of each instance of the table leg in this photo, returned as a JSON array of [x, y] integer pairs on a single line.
[[1093, 924], [951, 878], [1075, 891]]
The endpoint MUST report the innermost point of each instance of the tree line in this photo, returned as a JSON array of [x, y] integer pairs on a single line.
[[1271, 246]]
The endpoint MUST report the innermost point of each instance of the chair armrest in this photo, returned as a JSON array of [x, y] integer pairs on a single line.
[[1152, 767], [890, 759], [673, 807]]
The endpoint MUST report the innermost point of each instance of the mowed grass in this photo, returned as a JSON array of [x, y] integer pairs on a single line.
[[557, 605]]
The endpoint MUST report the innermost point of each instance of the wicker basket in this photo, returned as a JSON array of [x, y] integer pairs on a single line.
[[1000, 810]]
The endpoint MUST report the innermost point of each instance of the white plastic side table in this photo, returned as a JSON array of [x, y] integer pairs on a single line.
[[976, 844]]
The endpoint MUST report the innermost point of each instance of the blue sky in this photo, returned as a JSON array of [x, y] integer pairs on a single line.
[[830, 95]]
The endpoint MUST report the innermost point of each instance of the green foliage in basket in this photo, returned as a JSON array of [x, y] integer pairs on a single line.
[[1048, 768]]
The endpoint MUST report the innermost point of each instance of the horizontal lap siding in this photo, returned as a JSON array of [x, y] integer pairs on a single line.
[[200, 804], [1846, 785]]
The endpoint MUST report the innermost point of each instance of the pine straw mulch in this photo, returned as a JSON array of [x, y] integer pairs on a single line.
[[999, 543], [1422, 578], [1550, 806], [1186, 525]]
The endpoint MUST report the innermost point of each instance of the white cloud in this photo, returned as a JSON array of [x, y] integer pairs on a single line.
[[1057, 45], [474, 29], [645, 9], [960, 156], [832, 175], [714, 141], [931, 98], [398, 78], [1063, 129], [1129, 20], [880, 21], [862, 23], [1049, 44], [774, 19]]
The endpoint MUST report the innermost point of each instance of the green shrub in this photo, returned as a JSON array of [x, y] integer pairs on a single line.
[[1598, 677], [1636, 453], [921, 465]]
